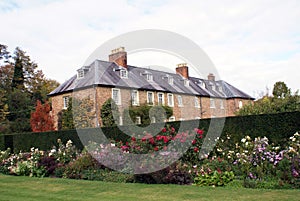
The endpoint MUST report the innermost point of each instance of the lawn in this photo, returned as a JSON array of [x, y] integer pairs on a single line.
[[26, 188]]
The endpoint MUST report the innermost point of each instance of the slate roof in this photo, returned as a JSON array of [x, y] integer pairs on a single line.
[[104, 73]]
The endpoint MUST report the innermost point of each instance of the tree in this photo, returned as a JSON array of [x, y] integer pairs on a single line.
[[281, 90], [41, 120], [109, 113], [282, 101], [19, 111]]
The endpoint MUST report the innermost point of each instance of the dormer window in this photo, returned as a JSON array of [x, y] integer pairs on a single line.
[[186, 83], [149, 77], [170, 80], [123, 73], [80, 73], [202, 84]]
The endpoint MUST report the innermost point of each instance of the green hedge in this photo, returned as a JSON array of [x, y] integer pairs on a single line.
[[277, 127]]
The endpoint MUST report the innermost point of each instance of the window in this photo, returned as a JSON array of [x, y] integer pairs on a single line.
[[186, 83], [138, 120], [179, 98], [240, 104], [66, 101], [172, 118], [221, 104], [80, 73], [160, 99], [153, 120], [170, 100], [120, 121], [196, 100], [170, 80], [134, 97], [116, 96], [123, 73], [212, 103], [149, 77], [150, 98]]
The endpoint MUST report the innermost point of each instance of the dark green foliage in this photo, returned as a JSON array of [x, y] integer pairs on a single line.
[[109, 113], [280, 90], [276, 127], [146, 113], [19, 111], [67, 121]]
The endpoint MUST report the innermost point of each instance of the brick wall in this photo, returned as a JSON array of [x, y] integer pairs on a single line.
[[186, 112]]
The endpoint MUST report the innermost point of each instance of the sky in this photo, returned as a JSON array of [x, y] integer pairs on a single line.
[[253, 44]]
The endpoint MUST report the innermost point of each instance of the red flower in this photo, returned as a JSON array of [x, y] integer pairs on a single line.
[[127, 143], [196, 149], [143, 139], [133, 139], [164, 130], [200, 136], [151, 141], [155, 148], [200, 132], [194, 141], [166, 140]]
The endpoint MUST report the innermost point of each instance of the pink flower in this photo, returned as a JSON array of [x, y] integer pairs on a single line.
[[156, 148], [196, 149], [164, 130], [194, 141]]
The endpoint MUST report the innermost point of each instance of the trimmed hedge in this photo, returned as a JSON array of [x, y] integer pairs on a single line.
[[277, 127]]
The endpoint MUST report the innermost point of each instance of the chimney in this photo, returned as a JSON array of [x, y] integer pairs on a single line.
[[211, 77], [183, 70], [119, 56]]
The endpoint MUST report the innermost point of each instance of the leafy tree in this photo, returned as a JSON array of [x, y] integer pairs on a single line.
[[109, 113], [19, 111], [41, 120], [282, 101], [281, 90]]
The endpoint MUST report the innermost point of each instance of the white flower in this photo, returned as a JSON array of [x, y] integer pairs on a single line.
[[32, 149], [247, 143], [112, 145], [248, 137], [243, 140]]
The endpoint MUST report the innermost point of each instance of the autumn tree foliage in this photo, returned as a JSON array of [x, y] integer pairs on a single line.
[[41, 120]]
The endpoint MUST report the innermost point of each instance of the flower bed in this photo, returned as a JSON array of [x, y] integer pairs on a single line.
[[255, 162]]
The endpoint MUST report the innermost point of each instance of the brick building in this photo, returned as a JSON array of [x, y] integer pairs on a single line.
[[189, 97]]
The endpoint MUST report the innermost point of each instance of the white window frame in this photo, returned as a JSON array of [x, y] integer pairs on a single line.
[[123, 73], [66, 101], [196, 102], [135, 100], [153, 120], [152, 96], [80, 73], [118, 101], [120, 120], [170, 99], [138, 120], [170, 80], [180, 102], [186, 83], [240, 104], [149, 77], [222, 104], [172, 118], [212, 103], [163, 98]]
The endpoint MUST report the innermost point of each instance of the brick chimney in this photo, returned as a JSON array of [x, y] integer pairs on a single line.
[[119, 56], [183, 70], [211, 77]]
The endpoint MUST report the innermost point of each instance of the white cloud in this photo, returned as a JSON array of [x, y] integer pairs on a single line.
[[253, 44]]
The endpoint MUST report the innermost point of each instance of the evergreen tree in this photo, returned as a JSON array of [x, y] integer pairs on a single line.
[[109, 113]]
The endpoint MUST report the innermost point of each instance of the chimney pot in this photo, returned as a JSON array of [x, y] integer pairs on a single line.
[[119, 56], [183, 70], [211, 77]]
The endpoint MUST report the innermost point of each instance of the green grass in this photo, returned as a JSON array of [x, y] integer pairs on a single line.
[[26, 188]]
